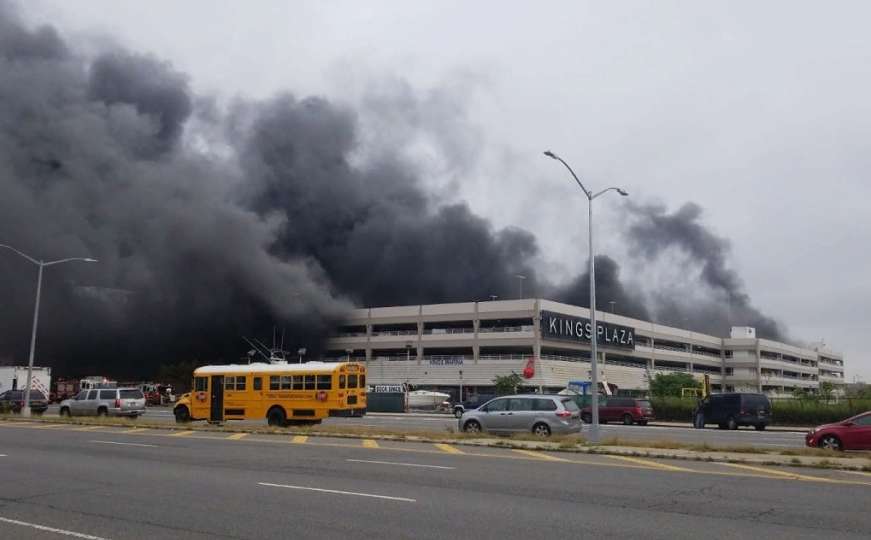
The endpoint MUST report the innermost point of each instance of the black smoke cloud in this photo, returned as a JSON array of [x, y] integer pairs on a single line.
[[211, 224], [199, 247], [653, 233]]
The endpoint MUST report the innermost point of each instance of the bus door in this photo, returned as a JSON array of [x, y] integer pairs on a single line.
[[216, 412]]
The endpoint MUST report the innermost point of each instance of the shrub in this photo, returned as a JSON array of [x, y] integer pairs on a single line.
[[785, 412]]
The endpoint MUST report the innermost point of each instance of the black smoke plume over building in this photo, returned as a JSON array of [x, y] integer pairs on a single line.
[[653, 234], [213, 224]]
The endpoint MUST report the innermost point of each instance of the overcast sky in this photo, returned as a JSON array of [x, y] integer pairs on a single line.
[[759, 112]]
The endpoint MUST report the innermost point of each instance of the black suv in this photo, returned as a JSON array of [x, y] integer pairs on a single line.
[[472, 403], [14, 400], [729, 411]]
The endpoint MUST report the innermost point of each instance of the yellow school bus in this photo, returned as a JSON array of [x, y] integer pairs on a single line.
[[281, 393]]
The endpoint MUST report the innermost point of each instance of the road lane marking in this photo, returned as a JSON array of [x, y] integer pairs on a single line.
[[652, 464], [448, 448], [300, 439], [51, 529], [3, 455], [237, 436], [860, 473], [125, 443], [785, 474], [401, 464], [181, 434], [50, 426], [540, 455], [87, 428], [136, 430], [370, 443], [338, 492]]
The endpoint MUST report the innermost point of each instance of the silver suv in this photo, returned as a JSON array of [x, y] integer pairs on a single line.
[[527, 413], [105, 402]]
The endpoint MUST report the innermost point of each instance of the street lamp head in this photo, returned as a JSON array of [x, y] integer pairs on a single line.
[[550, 154], [622, 192]]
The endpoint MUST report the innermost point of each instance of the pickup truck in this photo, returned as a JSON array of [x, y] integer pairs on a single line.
[[472, 403]]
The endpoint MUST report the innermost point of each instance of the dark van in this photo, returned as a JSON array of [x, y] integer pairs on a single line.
[[621, 409], [730, 411]]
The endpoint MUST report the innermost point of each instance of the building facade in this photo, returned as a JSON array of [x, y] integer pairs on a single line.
[[466, 345]]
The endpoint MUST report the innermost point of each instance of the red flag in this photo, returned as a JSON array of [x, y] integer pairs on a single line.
[[529, 370]]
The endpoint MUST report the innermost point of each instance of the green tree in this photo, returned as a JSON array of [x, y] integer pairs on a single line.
[[507, 384], [826, 389], [671, 384], [178, 375]]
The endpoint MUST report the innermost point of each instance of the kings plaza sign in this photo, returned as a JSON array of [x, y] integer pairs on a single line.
[[568, 328]]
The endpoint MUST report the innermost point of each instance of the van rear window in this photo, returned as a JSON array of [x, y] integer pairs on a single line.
[[570, 405]]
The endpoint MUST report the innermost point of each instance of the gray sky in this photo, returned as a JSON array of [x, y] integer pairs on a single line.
[[759, 112]]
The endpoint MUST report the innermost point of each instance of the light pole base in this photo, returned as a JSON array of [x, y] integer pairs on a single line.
[[25, 411], [593, 435]]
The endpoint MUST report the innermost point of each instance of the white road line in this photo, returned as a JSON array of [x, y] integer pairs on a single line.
[[125, 443], [3, 455], [51, 529], [337, 492], [400, 464]]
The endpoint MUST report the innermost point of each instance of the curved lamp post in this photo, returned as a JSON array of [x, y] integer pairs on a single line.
[[594, 427], [25, 407]]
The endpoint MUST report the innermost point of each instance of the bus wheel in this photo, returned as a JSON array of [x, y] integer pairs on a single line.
[[276, 417], [182, 415]]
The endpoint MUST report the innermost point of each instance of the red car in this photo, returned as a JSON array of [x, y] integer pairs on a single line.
[[850, 434], [617, 409]]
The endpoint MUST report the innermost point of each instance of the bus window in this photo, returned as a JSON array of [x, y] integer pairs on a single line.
[[258, 383], [341, 381], [201, 384], [240, 383], [309, 382], [274, 382], [297, 382], [352, 381], [286, 382], [325, 382]]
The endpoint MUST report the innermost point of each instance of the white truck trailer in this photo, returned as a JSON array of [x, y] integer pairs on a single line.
[[15, 378]]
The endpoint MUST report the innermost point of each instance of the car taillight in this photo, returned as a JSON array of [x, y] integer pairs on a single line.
[[564, 414], [117, 403]]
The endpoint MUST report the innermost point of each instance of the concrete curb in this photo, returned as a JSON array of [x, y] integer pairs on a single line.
[[861, 462]]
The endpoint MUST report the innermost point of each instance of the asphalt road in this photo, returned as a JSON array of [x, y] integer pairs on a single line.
[[414, 422], [120, 483]]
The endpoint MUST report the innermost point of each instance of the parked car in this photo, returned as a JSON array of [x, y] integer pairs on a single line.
[[472, 403], [105, 402], [730, 411], [531, 413], [621, 409], [851, 434], [14, 400]]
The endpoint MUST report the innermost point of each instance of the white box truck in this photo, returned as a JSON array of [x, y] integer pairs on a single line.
[[15, 378]]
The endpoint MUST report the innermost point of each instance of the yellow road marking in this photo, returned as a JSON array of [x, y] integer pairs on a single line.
[[448, 448], [87, 428], [652, 464], [300, 439], [861, 473], [237, 436], [540, 455], [785, 474], [370, 443], [50, 426], [181, 433], [135, 430]]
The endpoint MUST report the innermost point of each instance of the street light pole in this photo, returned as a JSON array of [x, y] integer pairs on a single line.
[[25, 407], [520, 278], [594, 338]]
